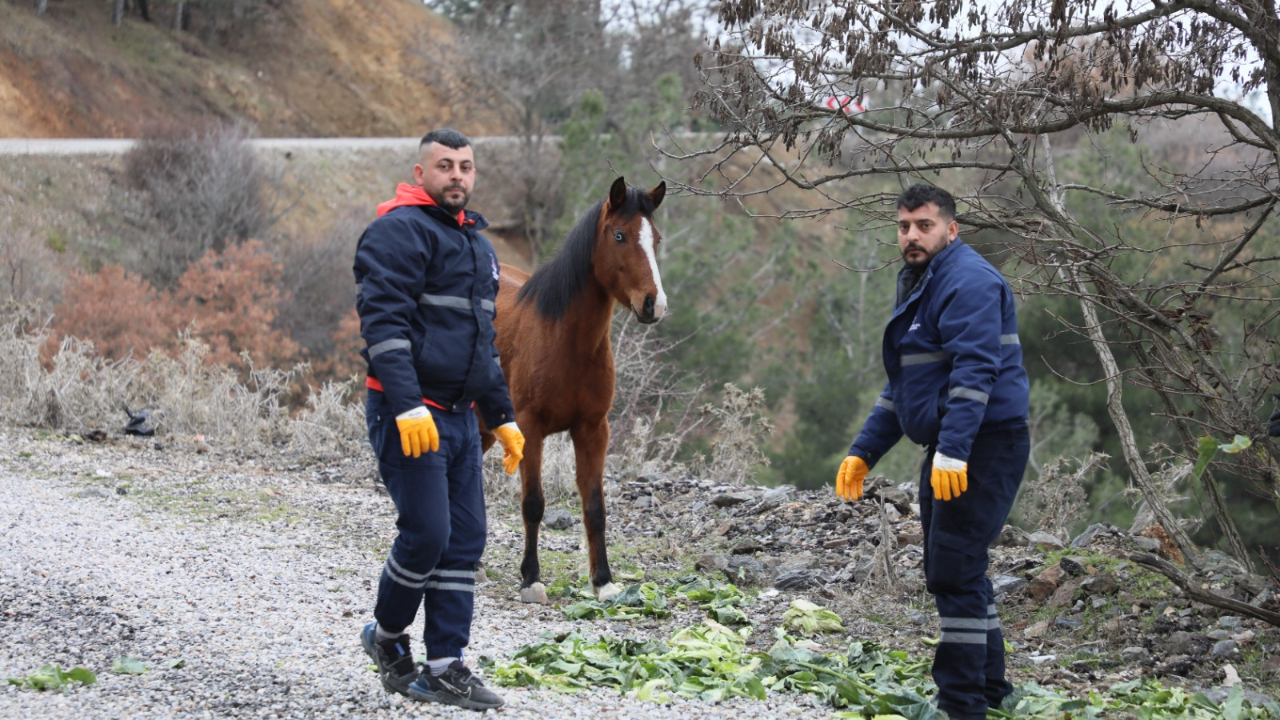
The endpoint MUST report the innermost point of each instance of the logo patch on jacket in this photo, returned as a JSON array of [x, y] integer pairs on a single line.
[[494, 260]]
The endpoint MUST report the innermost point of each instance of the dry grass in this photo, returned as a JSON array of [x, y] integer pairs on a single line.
[[504, 492], [1055, 500], [73, 389], [737, 426], [655, 405], [332, 425], [31, 269], [741, 430]]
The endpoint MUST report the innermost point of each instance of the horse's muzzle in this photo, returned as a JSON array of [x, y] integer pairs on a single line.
[[647, 313]]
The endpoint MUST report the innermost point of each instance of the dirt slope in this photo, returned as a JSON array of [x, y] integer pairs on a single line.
[[314, 69]]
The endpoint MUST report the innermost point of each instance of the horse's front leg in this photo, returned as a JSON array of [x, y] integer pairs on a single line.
[[590, 443], [531, 507]]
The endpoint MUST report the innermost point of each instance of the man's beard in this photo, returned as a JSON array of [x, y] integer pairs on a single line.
[[450, 206], [917, 264]]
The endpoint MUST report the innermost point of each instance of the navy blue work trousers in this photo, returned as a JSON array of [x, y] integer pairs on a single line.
[[439, 499], [968, 666]]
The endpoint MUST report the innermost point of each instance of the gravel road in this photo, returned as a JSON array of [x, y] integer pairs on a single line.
[[242, 588]]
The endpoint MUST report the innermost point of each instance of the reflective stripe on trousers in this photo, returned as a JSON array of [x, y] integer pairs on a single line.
[[968, 664], [439, 499]]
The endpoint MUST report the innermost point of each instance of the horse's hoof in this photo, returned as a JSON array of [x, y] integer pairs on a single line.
[[535, 593], [607, 591]]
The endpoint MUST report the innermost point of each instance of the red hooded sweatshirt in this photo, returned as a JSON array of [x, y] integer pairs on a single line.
[[407, 194]]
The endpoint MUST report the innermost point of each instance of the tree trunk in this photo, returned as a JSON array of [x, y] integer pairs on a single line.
[[42, 7], [144, 7], [1049, 196], [178, 8], [1115, 408], [1217, 502], [117, 13]]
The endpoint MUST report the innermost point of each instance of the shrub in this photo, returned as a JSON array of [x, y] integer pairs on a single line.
[[316, 275], [117, 311], [345, 360], [233, 298], [205, 187], [73, 388], [1055, 499], [332, 425], [655, 407], [30, 270], [740, 431], [77, 390], [229, 299], [198, 397], [558, 475]]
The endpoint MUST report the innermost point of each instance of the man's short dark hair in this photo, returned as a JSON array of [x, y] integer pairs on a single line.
[[918, 195], [447, 137]]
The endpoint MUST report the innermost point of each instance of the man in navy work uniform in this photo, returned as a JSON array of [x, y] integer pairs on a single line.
[[957, 387], [426, 280]]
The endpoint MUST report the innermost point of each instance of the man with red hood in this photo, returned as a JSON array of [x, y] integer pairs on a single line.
[[426, 281]]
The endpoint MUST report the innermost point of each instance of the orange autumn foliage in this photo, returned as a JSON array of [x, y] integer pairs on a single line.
[[233, 298], [116, 310], [347, 343], [229, 300]]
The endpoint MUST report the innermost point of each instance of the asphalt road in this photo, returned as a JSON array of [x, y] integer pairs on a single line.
[[98, 146]]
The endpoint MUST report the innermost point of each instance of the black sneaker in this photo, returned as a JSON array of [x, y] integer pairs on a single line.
[[393, 658], [455, 686]]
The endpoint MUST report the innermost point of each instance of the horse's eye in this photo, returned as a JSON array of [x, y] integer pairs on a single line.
[[617, 235]]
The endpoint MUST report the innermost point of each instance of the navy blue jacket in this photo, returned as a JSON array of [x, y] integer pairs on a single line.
[[954, 362], [425, 290]]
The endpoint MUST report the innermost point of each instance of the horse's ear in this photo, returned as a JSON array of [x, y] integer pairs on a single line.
[[617, 195], [658, 193]]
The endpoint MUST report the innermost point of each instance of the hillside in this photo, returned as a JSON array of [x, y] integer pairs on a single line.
[[319, 68], [63, 212]]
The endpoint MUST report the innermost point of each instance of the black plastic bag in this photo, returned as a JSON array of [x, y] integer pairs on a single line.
[[139, 423]]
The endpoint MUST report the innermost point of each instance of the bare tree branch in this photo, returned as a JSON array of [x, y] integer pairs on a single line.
[[1193, 591]]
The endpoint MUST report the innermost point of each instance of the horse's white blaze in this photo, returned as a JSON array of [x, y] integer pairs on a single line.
[[646, 242]]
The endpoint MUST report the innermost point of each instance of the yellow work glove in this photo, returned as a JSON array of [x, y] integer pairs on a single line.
[[418, 433], [512, 446], [949, 478], [849, 480]]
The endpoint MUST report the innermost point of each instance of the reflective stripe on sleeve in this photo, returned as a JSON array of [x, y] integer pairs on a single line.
[[453, 301], [446, 301], [969, 394], [923, 358], [388, 345]]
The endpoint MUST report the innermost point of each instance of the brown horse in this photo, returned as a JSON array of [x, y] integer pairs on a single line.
[[553, 335]]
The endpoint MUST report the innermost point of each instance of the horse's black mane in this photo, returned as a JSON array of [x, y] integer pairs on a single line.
[[556, 285]]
